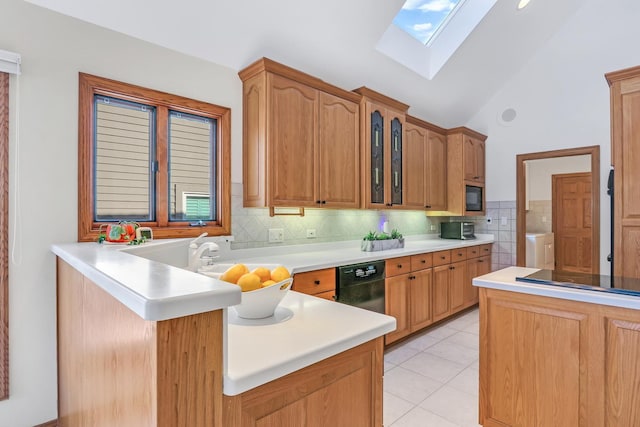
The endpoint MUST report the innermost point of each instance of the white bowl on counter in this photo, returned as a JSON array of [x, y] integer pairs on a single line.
[[262, 302]]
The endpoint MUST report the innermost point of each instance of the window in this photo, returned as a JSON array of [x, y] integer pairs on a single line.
[[4, 233], [422, 19], [147, 156]]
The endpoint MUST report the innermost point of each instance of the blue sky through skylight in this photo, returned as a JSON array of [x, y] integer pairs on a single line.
[[421, 18]]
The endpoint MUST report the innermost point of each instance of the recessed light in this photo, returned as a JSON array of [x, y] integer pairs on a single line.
[[522, 4]]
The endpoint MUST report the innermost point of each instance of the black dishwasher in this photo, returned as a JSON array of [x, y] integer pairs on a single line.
[[362, 285]]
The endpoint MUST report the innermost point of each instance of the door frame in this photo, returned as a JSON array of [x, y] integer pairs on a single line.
[[521, 222]]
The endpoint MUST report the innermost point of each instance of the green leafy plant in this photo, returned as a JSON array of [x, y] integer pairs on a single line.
[[372, 235]]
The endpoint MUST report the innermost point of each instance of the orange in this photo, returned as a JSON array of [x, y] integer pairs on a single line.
[[279, 274], [263, 272], [249, 282], [268, 283], [234, 273]]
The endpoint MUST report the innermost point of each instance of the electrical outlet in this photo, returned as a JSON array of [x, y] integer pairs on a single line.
[[276, 235], [503, 220], [433, 227], [311, 233]]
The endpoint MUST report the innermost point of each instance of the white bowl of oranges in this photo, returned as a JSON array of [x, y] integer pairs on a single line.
[[263, 287]]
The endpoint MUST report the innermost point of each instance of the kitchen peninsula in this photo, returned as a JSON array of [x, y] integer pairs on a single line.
[[143, 341], [561, 355]]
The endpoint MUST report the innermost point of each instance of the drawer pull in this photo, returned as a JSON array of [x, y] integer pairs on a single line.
[[316, 282], [443, 257], [480, 260], [452, 267], [423, 261], [399, 265]]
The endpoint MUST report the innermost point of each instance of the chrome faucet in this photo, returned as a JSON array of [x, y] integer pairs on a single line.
[[196, 251]]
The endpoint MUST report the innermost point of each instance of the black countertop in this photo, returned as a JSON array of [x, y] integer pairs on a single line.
[[585, 281]]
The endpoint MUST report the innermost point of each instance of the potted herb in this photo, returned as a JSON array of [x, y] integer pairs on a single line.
[[378, 241]]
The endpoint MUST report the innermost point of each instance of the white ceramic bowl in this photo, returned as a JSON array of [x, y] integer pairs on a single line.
[[262, 302]]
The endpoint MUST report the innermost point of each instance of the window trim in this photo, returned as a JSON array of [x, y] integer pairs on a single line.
[[90, 85], [4, 233]]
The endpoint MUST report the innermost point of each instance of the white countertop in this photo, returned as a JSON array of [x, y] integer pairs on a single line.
[[254, 354], [303, 258], [259, 352], [505, 280], [151, 289]]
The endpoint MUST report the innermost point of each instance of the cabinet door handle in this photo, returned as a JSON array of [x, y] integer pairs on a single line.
[[323, 202], [452, 267], [318, 201], [316, 282], [476, 177], [428, 206], [389, 204]]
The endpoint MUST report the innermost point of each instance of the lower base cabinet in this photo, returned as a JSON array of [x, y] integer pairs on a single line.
[[553, 362], [343, 390]]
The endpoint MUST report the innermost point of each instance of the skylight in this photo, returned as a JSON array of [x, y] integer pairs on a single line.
[[426, 33], [423, 19]]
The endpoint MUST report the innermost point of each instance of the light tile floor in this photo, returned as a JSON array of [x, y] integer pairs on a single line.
[[432, 378]]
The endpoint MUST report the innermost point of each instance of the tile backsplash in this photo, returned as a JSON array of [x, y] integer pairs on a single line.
[[250, 226], [539, 216]]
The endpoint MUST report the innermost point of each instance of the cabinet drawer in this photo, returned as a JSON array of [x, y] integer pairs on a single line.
[[441, 258], [395, 266], [315, 282], [485, 249], [418, 262], [473, 251], [330, 295], [459, 254]]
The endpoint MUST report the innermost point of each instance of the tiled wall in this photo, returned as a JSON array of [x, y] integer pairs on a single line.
[[503, 227], [539, 216], [250, 226]]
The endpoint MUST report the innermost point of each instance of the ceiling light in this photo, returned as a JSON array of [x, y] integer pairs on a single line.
[[522, 4]]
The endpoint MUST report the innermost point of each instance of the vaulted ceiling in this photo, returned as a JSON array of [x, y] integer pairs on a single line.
[[335, 40]]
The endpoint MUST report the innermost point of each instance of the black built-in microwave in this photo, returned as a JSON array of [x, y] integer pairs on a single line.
[[473, 198]]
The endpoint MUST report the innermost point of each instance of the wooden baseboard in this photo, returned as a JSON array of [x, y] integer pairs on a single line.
[[52, 423]]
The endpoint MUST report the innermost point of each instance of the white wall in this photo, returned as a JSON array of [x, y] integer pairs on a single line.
[[541, 170], [562, 98], [54, 49]]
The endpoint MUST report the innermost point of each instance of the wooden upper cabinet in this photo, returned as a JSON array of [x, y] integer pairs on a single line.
[[473, 159], [383, 123], [338, 152], [425, 151], [301, 140], [625, 147], [292, 135], [465, 166]]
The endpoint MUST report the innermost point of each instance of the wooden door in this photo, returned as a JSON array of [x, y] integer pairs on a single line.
[[440, 292], [415, 145], [572, 222], [396, 305], [457, 283], [480, 160], [292, 141], [436, 172], [338, 153], [420, 299]]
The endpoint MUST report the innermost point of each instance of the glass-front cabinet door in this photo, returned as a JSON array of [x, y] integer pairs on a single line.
[[396, 161], [377, 157]]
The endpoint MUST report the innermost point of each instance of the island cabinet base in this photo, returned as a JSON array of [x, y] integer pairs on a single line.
[[117, 369], [343, 390], [553, 362]]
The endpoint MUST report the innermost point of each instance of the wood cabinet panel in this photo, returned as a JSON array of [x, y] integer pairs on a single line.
[[622, 398], [458, 281], [421, 261], [315, 282], [473, 154], [395, 266], [292, 136], [415, 150], [436, 170], [440, 293], [420, 299], [345, 389], [532, 376], [396, 299], [441, 258], [459, 254], [338, 152]]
